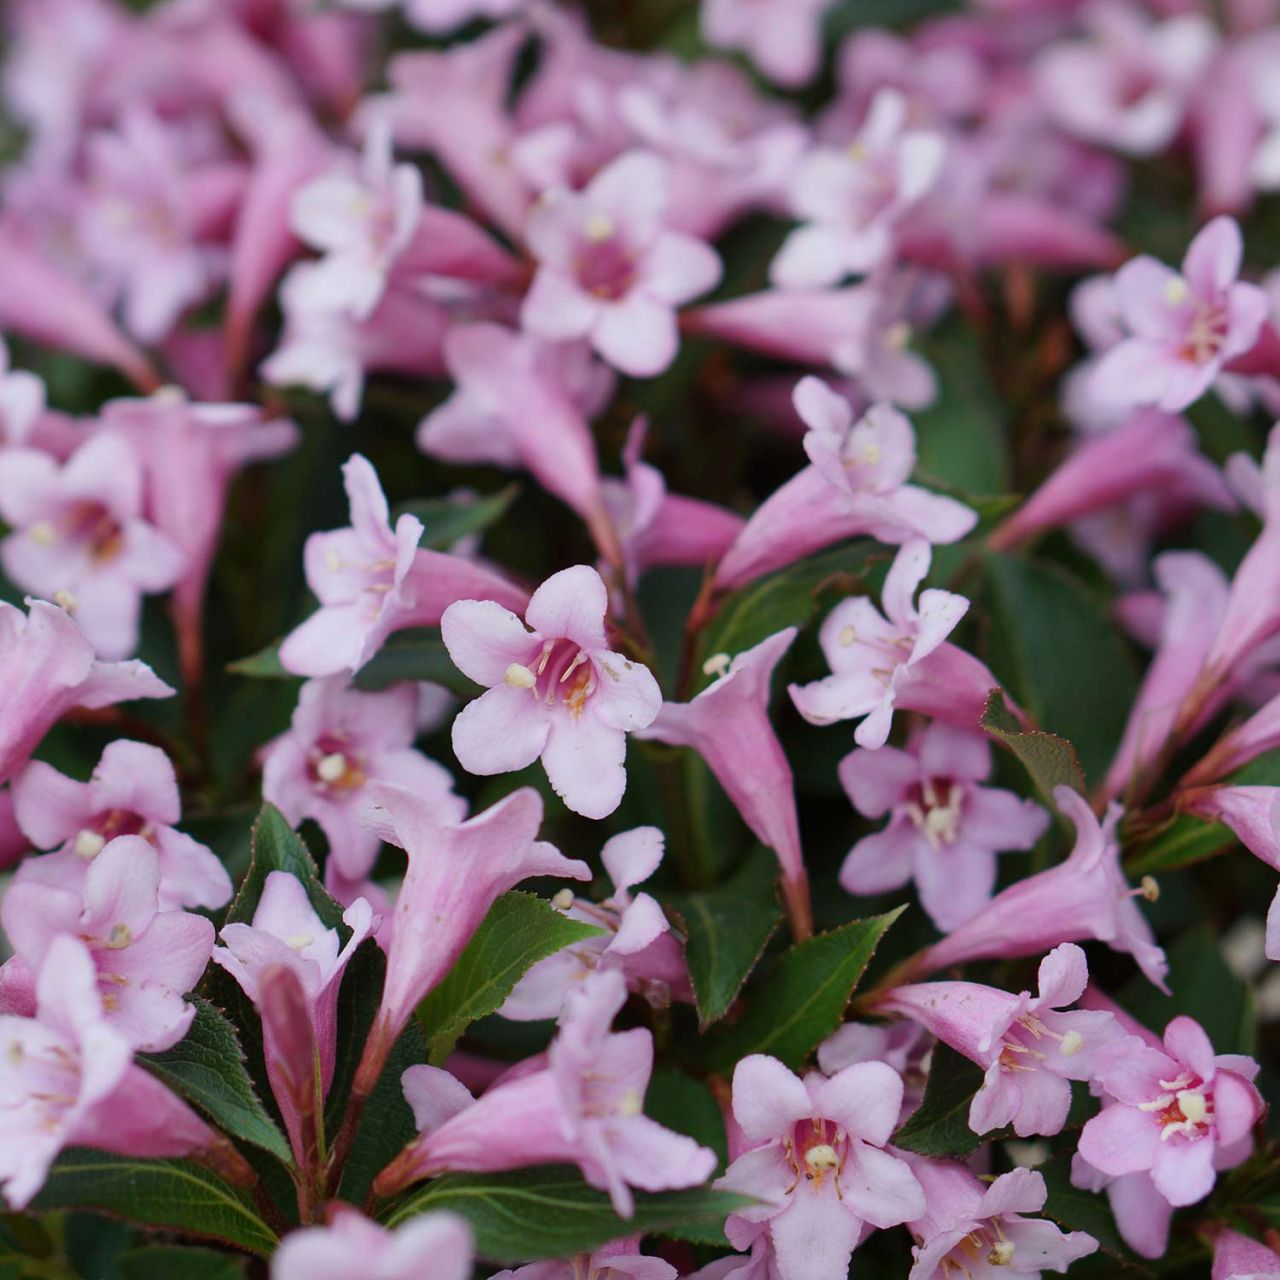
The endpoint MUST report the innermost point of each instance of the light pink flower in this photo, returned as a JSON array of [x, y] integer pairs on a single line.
[[287, 934], [22, 400], [555, 690], [1236, 1257], [880, 662], [133, 791], [145, 958], [455, 874], [1177, 1110], [432, 1244], [80, 538], [611, 271], [1142, 1214], [67, 1078], [782, 37], [636, 940], [979, 1228], [728, 725], [1029, 1046], [944, 831], [47, 667], [1128, 84], [339, 740], [850, 199], [817, 1163], [582, 1104], [1182, 328], [855, 483], [372, 579], [621, 1260]]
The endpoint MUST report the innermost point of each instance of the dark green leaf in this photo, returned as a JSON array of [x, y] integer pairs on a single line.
[[801, 998], [519, 930], [727, 929], [263, 665], [1058, 653], [550, 1212], [445, 521], [1076, 1210], [940, 1126], [207, 1067], [172, 1262], [1184, 841], [173, 1194], [278, 847], [1050, 760], [417, 653]]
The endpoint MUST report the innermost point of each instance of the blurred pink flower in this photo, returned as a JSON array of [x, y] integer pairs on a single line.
[[434, 1244]]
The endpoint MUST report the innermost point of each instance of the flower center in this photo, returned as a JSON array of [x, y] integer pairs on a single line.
[[1206, 334], [605, 265], [985, 1243], [1185, 1109], [935, 808], [333, 767], [562, 673], [89, 525], [93, 838], [815, 1149]]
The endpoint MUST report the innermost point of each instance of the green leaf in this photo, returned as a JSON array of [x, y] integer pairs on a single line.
[[686, 1105], [278, 847], [207, 1067], [417, 653], [1058, 653], [727, 929], [1077, 1210], [1186, 840], [172, 1194], [940, 1125], [445, 521], [801, 998], [519, 930], [1050, 760], [166, 1262], [784, 599], [550, 1212], [263, 665]]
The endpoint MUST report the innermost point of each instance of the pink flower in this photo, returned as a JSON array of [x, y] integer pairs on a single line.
[[145, 958], [880, 662], [611, 271], [944, 831], [22, 400], [818, 1163], [47, 667], [979, 1228], [1142, 1214], [432, 1244], [1027, 1046], [340, 740], [455, 874], [621, 1260], [851, 198], [782, 37], [287, 934], [583, 1105], [67, 1078], [728, 725], [1129, 83], [555, 690], [637, 938], [133, 791], [1182, 328], [856, 483], [1236, 1257], [1086, 896], [80, 538], [1177, 1111], [371, 580]]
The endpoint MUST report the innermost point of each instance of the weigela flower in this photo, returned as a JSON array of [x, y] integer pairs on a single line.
[[1179, 1112], [22, 400], [782, 37], [621, 1260], [1028, 1046], [611, 271], [818, 1163], [145, 959], [340, 739], [1236, 1257], [67, 1078], [133, 791], [896, 659], [582, 1104], [636, 940], [555, 690], [1182, 328], [80, 538], [944, 831], [437, 1244]]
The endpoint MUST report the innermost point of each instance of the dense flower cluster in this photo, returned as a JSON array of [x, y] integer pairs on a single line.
[[929, 365]]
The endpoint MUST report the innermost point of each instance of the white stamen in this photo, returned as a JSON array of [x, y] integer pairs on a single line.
[[1150, 889], [599, 228], [717, 665], [1071, 1044], [847, 636], [1176, 291], [898, 335], [298, 941], [563, 900], [65, 600], [332, 561], [821, 1158], [519, 677], [631, 1104], [1001, 1254], [88, 844], [1192, 1104], [43, 533], [119, 937], [331, 768]]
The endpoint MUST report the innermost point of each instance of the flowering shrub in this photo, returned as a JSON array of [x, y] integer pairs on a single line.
[[639, 640]]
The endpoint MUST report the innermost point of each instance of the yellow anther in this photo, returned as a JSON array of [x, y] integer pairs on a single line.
[[332, 768], [89, 844], [519, 677]]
